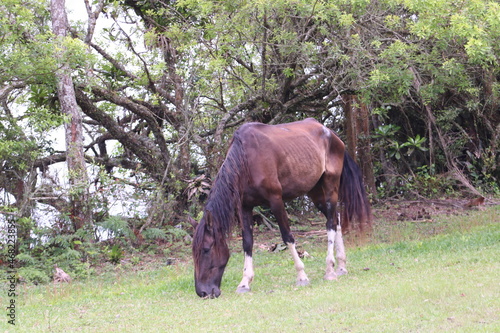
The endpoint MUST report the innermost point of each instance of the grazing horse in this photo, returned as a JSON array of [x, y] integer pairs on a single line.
[[267, 165]]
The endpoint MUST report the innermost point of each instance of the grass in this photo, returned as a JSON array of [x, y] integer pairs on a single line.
[[404, 281]]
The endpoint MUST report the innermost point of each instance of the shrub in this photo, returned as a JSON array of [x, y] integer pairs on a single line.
[[33, 275]]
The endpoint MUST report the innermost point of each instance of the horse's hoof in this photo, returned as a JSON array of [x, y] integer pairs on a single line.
[[330, 277], [341, 271], [242, 290], [302, 283]]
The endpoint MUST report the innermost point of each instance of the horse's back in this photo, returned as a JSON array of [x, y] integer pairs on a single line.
[[288, 138], [307, 127], [290, 158]]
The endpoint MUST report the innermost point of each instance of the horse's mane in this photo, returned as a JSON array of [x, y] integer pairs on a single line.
[[223, 206]]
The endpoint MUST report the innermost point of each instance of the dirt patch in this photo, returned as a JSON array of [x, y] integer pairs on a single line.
[[426, 210]]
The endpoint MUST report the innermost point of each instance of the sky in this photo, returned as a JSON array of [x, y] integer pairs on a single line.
[[76, 10]]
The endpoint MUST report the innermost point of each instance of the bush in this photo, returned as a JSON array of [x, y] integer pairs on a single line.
[[33, 275], [430, 185]]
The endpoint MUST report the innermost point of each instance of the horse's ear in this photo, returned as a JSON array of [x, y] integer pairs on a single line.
[[193, 222]]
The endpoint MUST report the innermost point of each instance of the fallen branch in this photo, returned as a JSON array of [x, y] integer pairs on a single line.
[[420, 221], [266, 221], [312, 233], [16, 214]]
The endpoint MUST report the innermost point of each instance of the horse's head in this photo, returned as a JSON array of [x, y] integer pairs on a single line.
[[210, 256]]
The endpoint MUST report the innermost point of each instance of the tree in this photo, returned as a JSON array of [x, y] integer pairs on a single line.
[[411, 88], [25, 62], [431, 73], [81, 212]]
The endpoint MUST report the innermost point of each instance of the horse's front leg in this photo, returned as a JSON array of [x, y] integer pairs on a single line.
[[278, 209], [247, 233], [302, 279]]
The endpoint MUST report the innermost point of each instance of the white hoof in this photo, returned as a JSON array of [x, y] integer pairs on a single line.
[[330, 276], [243, 289]]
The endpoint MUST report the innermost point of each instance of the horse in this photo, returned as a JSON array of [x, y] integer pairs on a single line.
[[268, 165]]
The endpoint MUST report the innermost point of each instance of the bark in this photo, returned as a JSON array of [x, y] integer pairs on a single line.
[[80, 211], [143, 147], [357, 116]]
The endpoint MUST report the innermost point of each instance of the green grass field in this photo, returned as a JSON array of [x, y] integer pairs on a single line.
[[415, 282]]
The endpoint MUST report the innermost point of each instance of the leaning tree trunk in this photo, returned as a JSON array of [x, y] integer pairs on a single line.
[[80, 211]]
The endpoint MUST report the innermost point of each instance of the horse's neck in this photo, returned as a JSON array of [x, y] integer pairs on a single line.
[[224, 201]]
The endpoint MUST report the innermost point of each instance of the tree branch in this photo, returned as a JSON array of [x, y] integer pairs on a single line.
[[143, 147]]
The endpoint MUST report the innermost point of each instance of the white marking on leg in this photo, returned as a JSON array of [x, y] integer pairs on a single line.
[[340, 251], [302, 279], [248, 275], [330, 259]]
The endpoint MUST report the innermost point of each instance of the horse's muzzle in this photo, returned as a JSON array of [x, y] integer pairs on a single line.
[[208, 292]]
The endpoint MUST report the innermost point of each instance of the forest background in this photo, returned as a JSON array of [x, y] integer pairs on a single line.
[[114, 125]]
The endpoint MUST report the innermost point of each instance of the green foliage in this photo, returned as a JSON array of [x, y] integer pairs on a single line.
[[26, 54], [25, 259], [428, 184], [386, 135], [176, 233], [16, 153], [416, 143], [154, 234], [117, 226], [115, 254], [481, 175], [70, 252], [32, 275]]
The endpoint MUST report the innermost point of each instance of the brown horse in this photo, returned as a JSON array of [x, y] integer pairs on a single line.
[[267, 165]]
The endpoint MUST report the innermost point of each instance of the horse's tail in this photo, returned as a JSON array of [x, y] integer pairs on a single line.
[[352, 194]]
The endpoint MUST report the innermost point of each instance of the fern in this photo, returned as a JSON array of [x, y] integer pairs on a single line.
[[171, 234], [33, 275], [61, 241], [25, 259], [154, 234], [117, 226], [175, 234], [116, 254], [71, 254]]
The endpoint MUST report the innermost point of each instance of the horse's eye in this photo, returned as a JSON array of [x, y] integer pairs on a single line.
[[206, 250]]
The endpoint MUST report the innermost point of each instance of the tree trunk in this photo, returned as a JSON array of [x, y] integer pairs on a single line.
[[350, 125], [357, 116], [80, 211]]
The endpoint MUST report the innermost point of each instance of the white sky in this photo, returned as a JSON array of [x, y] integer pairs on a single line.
[[76, 10]]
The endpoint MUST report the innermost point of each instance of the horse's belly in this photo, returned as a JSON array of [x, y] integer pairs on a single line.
[[299, 188], [296, 183]]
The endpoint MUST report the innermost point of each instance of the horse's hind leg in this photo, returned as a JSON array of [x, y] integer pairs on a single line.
[[247, 233], [335, 240], [278, 209], [340, 249], [326, 202], [331, 231]]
